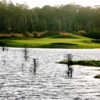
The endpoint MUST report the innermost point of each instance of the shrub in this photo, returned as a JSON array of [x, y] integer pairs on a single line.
[[51, 34], [81, 32], [35, 35], [26, 34]]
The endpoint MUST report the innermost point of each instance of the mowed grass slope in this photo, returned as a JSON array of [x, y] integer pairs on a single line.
[[69, 41]]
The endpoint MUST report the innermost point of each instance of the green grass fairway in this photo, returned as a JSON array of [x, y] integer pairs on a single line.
[[71, 41]]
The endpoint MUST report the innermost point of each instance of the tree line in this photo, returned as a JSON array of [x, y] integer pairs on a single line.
[[18, 18]]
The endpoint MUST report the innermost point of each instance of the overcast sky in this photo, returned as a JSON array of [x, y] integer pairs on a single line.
[[41, 3]]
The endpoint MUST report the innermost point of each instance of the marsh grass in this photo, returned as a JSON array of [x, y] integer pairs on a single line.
[[84, 63]]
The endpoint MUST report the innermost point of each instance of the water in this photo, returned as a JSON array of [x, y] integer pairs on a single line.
[[17, 81]]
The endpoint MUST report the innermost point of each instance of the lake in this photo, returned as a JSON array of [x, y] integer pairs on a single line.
[[18, 82]]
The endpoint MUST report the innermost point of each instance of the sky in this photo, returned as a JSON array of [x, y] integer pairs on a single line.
[[41, 3]]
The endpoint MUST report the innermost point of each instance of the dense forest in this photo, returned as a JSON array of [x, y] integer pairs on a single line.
[[18, 18]]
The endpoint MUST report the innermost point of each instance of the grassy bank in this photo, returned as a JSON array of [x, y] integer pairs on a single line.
[[91, 63], [84, 63], [70, 41]]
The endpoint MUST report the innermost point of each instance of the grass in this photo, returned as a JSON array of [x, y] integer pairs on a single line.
[[70, 41], [84, 63]]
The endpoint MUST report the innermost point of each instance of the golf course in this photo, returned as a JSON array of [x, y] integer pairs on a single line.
[[68, 41]]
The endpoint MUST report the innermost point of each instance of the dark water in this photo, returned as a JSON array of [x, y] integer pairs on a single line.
[[18, 82]]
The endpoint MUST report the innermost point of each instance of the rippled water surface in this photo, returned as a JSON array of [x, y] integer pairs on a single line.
[[18, 82]]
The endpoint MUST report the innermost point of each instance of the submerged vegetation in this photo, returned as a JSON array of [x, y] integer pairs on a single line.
[[84, 63]]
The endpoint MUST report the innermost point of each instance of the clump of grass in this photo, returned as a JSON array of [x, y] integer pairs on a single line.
[[84, 63], [97, 76]]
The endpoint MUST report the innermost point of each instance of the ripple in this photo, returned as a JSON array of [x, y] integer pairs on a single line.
[[50, 82]]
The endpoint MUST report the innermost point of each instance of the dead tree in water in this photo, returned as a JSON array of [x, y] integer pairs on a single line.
[[35, 65], [70, 69], [4, 48], [25, 53]]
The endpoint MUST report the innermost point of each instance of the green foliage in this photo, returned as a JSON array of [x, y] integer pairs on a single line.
[[51, 34], [69, 18], [26, 34], [35, 34]]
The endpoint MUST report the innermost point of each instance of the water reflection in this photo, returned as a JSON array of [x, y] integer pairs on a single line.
[[49, 83], [35, 65]]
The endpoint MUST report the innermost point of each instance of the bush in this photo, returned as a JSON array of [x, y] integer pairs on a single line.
[[81, 32], [51, 34], [28, 34], [35, 35]]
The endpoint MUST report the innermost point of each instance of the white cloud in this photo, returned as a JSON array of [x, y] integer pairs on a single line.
[[40, 3]]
